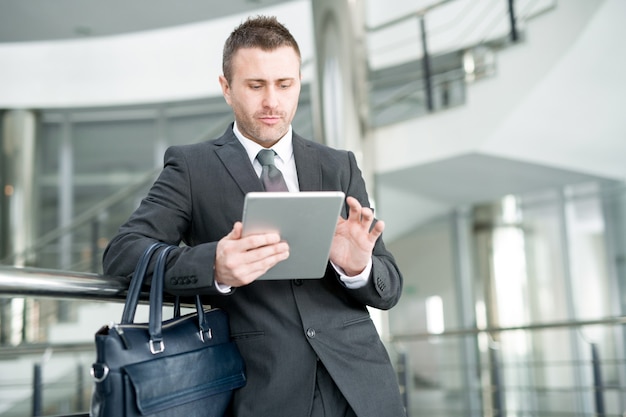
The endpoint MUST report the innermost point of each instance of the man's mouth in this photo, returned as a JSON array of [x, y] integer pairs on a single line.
[[270, 120]]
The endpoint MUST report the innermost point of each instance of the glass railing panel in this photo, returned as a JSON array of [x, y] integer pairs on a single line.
[[435, 378], [51, 374], [542, 371], [52, 384], [398, 93], [394, 35], [460, 38]]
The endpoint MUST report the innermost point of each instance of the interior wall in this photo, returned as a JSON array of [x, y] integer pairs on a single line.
[[171, 64]]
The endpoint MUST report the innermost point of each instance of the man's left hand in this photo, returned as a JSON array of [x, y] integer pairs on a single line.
[[353, 242]]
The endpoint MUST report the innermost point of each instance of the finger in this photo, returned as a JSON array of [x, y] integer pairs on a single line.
[[265, 263], [241, 268], [259, 240], [377, 230], [355, 208], [268, 251], [256, 262], [367, 215]]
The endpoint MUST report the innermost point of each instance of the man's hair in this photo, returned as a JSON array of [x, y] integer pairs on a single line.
[[264, 32]]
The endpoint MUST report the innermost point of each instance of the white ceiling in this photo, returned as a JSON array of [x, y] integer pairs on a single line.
[[478, 178], [37, 20]]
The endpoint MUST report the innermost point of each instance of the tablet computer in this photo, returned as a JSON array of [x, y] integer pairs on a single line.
[[306, 220]]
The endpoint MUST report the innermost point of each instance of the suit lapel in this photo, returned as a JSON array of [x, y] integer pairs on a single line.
[[236, 162], [307, 164]]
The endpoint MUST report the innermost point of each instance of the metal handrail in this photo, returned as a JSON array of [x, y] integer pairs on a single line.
[[48, 283], [424, 10], [408, 16], [45, 283], [613, 321]]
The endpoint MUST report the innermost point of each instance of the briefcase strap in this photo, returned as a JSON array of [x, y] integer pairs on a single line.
[[155, 324], [136, 282]]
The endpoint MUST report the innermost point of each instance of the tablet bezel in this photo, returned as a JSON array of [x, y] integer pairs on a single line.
[[306, 220]]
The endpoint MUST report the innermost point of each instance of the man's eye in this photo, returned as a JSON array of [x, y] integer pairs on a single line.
[[255, 86], [283, 86]]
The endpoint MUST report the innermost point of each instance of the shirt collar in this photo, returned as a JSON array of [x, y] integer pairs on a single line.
[[283, 148]]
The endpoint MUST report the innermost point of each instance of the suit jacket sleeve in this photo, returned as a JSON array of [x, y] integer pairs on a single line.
[[384, 286], [165, 215]]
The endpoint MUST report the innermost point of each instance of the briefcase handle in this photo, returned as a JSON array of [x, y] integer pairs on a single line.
[[155, 323], [134, 288]]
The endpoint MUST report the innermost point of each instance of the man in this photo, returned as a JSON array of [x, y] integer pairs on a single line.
[[310, 346]]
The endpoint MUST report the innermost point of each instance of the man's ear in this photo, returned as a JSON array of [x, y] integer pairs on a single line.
[[225, 88]]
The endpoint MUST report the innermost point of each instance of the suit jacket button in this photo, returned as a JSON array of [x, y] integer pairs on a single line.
[[297, 282], [310, 332], [381, 283]]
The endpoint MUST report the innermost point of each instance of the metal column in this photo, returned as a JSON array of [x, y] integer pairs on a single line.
[[462, 241], [17, 205]]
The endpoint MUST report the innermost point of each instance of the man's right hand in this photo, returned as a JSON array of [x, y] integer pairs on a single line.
[[241, 260]]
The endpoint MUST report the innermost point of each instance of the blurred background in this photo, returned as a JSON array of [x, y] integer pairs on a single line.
[[490, 133]]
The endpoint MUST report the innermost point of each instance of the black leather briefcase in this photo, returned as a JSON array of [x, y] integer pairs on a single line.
[[186, 366]]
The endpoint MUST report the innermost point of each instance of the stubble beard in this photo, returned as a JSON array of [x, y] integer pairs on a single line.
[[264, 135]]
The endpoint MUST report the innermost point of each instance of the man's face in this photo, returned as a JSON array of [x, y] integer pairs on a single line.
[[263, 92]]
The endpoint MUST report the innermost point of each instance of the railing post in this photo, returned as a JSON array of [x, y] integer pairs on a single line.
[[80, 382], [598, 388], [95, 234], [37, 390], [512, 19], [426, 65], [497, 387], [404, 379], [6, 320]]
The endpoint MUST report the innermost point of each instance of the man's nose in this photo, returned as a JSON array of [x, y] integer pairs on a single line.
[[270, 98]]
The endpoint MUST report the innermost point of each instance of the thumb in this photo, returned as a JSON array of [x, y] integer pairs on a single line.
[[235, 233]]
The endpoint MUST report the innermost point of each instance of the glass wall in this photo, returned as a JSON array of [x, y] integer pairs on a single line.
[[534, 326]]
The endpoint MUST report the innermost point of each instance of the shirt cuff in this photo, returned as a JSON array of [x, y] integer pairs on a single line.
[[224, 289], [356, 281]]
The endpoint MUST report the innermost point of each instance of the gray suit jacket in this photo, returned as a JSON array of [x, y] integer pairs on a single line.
[[281, 327]]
